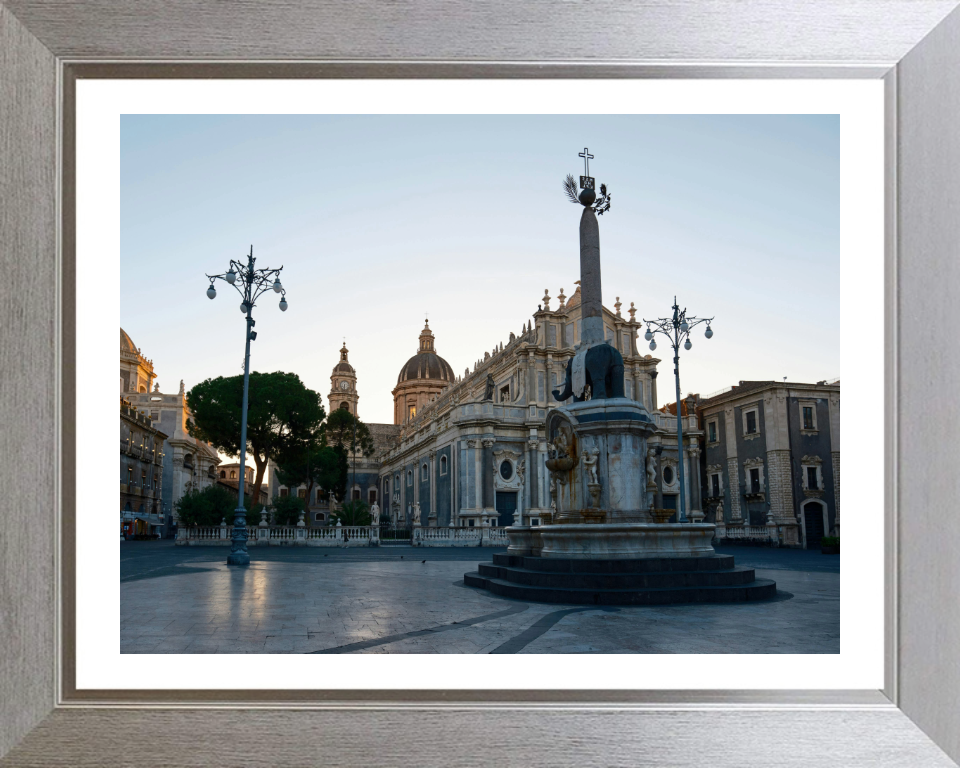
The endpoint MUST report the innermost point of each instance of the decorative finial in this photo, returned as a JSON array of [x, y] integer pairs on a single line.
[[546, 299], [617, 307], [562, 299], [633, 313], [587, 195], [156, 387]]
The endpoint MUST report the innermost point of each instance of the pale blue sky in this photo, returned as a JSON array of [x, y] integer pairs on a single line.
[[378, 219]]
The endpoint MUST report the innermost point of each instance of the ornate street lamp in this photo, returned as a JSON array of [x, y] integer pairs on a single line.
[[250, 283], [677, 330]]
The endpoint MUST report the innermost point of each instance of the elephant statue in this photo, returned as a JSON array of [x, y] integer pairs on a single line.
[[603, 369]]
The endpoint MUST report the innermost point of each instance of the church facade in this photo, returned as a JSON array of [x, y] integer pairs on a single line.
[[472, 449]]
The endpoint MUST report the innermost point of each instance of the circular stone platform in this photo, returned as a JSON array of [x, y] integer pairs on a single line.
[[641, 581], [614, 541]]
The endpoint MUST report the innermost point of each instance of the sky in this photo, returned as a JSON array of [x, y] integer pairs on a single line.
[[378, 220]]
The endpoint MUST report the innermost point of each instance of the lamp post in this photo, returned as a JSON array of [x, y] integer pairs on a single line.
[[677, 330], [250, 283]]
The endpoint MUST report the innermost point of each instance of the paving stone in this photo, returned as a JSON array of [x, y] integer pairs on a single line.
[[187, 600]]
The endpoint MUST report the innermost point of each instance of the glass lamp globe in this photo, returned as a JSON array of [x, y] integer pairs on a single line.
[[684, 326], [243, 307], [276, 286], [687, 344], [653, 345], [283, 304], [709, 332], [648, 335], [231, 276], [211, 292]]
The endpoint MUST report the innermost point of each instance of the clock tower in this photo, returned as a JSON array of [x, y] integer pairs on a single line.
[[343, 385]]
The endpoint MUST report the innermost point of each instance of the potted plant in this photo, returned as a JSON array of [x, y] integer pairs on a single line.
[[830, 545]]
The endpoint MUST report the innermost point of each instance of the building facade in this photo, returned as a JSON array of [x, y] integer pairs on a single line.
[[187, 462], [229, 477], [471, 449], [772, 452], [141, 473]]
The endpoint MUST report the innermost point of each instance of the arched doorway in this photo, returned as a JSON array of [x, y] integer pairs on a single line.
[[813, 517]]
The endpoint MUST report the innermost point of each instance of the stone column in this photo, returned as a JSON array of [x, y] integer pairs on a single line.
[[733, 467], [489, 498], [532, 394], [695, 502], [454, 483], [477, 474], [653, 390], [533, 470], [591, 309], [434, 514]]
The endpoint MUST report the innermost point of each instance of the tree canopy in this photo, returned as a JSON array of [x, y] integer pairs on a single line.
[[339, 432], [209, 506], [281, 412]]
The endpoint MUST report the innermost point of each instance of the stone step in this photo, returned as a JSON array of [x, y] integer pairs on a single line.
[[637, 565], [736, 576], [758, 589]]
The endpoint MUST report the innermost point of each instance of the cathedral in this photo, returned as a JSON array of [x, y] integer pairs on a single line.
[[470, 449]]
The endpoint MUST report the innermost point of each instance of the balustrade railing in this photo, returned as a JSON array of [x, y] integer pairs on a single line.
[[361, 535]]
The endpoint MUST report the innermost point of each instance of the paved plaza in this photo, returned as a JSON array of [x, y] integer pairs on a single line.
[[388, 600]]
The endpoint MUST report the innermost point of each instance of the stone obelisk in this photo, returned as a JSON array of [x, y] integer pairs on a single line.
[[590, 292]]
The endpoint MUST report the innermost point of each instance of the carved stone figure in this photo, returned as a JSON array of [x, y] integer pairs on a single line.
[[416, 513], [718, 513], [590, 459], [375, 514], [651, 469], [603, 369], [488, 390]]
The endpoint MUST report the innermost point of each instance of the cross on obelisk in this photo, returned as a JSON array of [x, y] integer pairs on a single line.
[[587, 157]]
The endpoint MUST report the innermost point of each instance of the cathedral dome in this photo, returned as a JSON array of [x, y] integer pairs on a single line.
[[126, 343], [426, 364]]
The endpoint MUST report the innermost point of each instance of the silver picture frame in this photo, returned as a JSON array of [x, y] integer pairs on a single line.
[[912, 45]]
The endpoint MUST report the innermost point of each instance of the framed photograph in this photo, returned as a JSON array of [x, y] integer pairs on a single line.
[[884, 74]]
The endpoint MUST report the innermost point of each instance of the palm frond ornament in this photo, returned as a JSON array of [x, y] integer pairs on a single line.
[[587, 196]]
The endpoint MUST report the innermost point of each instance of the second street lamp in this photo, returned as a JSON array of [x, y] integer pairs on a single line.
[[677, 330], [252, 284]]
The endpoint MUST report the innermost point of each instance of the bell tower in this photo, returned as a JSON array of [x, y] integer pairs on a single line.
[[343, 384]]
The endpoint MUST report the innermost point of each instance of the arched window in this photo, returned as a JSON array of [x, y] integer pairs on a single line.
[[223, 473], [319, 517], [443, 465], [372, 496], [424, 473], [233, 474], [345, 406]]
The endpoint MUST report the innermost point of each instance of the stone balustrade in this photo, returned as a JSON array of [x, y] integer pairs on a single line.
[[340, 535], [748, 533]]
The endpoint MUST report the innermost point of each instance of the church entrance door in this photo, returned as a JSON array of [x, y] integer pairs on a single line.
[[506, 507]]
